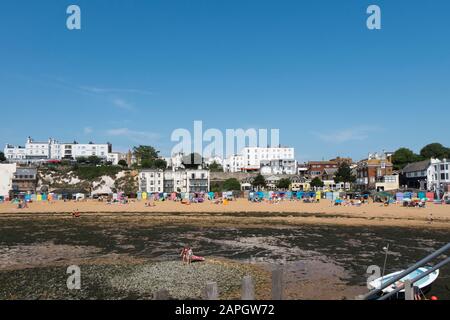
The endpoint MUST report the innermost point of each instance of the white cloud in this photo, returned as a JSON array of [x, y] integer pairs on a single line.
[[359, 133], [141, 137], [114, 90], [122, 104], [88, 130]]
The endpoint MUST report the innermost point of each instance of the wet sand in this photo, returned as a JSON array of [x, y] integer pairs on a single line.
[[243, 211], [117, 250]]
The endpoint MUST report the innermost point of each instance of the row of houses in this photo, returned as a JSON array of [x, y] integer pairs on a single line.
[[34, 152], [432, 175]]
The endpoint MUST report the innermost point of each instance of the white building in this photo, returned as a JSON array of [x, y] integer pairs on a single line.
[[438, 174], [115, 157], [234, 163], [215, 159], [186, 181], [278, 167], [6, 175], [151, 180], [35, 151], [250, 158]]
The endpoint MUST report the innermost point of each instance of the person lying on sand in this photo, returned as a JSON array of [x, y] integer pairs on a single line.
[[76, 214]]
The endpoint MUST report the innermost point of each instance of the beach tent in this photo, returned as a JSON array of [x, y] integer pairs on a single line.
[[329, 196], [335, 195], [39, 197], [318, 195], [139, 196], [430, 196], [407, 195], [421, 195], [399, 196], [211, 195]]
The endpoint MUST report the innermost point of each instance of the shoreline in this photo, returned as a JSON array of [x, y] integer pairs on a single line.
[[288, 213]]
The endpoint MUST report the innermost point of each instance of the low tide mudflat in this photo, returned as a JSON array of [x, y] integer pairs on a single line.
[[130, 256]]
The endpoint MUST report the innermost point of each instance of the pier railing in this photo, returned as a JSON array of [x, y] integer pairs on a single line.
[[408, 285]]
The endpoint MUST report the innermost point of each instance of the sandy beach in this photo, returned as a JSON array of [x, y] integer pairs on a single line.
[[287, 212]]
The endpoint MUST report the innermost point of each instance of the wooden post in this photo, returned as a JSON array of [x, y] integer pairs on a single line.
[[409, 290], [161, 295], [212, 292], [248, 289], [277, 284]]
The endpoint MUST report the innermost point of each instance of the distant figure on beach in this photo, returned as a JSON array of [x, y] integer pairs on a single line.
[[430, 219], [76, 214], [186, 255]]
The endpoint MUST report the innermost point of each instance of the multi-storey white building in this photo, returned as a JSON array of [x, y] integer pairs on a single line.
[[234, 163], [250, 158], [35, 151], [438, 174], [278, 167], [151, 180], [186, 181]]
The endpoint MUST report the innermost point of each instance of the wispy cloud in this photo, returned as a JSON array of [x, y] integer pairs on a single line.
[[100, 90], [88, 130], [122, 104], [141, 137], [359, 133]]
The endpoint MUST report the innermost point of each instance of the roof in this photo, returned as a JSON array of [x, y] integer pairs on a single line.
[[330, 170], [26, 171], [417, 166]]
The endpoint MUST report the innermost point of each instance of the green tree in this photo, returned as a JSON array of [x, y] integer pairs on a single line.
[[435, 150], [215, 167], [127, 184], [122, 163], [259, 181], [160, 164], [145, 153], [284, 183], [344, 174], [94, 160], [317, 183], [216, 187], [404, 156], [231, 184], [2, 157], [81, 160]]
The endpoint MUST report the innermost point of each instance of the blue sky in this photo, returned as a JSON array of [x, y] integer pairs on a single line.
[[140, 69]]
